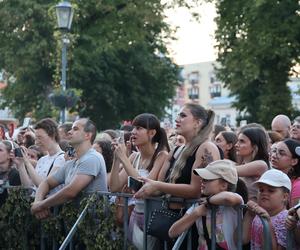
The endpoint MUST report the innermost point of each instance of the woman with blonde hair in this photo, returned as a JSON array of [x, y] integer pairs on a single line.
[[195, 124]]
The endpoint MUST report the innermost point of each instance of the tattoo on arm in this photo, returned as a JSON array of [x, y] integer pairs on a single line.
[[206, 158]]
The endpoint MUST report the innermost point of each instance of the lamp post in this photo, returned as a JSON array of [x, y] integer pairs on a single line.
[[64, 13]]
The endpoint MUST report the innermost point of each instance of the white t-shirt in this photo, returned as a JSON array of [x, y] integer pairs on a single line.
[[44, 163]]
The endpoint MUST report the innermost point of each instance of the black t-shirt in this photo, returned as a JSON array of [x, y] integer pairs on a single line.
[[13, 178]]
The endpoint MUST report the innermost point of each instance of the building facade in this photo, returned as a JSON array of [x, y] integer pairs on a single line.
[[202, 87]]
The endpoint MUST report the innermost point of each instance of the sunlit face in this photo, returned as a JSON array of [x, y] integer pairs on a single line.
[[77, 135], [295, 131], [271, 198], [186, 124], [4, 157], [62, 134], [280, 128], [141, 136], [42, 139], [222, 143], [244, 146], [179, 140], [211, 187], [32, 154], [281, 157]]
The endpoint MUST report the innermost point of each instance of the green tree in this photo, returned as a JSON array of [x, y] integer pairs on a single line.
[[258, 44], [117, 57], [26, 49], [119, 60]]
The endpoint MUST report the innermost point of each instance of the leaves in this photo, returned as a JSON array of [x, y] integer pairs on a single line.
[[23, 231], [117, 57], [258, 43]]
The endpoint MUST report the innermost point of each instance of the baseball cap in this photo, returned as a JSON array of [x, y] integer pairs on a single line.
[[275, 178], [220, 169]]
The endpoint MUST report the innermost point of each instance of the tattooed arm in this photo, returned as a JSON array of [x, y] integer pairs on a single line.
[[206, 153]]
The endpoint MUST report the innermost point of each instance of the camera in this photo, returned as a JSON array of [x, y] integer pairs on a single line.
[[18, 152]]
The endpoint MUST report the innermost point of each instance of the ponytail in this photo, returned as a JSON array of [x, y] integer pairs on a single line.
[[207, 116]]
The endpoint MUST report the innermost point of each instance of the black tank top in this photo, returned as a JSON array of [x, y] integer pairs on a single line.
[[185, 177]]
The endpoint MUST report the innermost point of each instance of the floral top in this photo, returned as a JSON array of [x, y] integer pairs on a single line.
[[278, 222]]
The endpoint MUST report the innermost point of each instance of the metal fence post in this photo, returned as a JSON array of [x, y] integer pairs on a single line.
[[54, 242], [267, 234], [239, 228], [290, 240], [146, 215], [213, 227], [125, 222]]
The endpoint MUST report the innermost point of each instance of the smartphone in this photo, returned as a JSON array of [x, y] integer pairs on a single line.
[[121, 137], [134, 184], [18, 152], [26, 122]]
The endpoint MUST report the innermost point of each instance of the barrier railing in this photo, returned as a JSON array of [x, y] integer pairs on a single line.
[[147, 209]]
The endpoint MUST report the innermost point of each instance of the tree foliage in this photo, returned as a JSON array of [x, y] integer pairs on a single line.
[[258, 43], [117, 57], [27, 46]]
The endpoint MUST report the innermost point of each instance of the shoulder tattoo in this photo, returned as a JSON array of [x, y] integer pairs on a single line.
[[206, 158]]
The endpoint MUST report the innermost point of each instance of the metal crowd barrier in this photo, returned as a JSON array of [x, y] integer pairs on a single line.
[[180, 239], [147, 209]]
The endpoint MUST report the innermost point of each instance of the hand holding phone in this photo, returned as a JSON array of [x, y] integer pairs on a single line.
[[134, 184], [18, 152], [121, 137], [26, 122]]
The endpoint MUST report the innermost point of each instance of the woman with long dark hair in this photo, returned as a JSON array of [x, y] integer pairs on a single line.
[[284, 158], [226, 140], [176, 178], [252, 151], [151, 141]]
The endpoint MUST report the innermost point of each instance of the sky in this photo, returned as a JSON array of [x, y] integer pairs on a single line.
[[195, 40]]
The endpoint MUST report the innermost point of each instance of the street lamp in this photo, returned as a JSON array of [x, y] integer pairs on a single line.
[[64, 13]]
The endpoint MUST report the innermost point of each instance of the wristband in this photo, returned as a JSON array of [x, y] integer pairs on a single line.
[[208, 204]]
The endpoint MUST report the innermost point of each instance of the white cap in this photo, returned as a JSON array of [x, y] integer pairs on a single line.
[[297, 150], [275, 178]]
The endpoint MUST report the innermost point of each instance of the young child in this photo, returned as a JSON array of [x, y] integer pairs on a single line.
[[219, 181], [274, 188]]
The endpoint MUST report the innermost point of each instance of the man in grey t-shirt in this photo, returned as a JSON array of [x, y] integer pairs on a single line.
[[85, 173]]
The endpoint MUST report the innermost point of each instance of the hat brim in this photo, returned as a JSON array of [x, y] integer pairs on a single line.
[[270, 183], [205, 174]]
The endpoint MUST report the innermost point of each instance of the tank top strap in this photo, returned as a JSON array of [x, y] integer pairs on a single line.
[[136, 161]]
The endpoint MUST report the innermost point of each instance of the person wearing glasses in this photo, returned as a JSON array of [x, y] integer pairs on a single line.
[[285, 158]]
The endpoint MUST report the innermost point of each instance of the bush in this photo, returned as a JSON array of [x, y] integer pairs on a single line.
[[23, 231]]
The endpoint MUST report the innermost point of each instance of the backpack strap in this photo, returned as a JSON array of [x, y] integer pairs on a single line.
[[53, 163]]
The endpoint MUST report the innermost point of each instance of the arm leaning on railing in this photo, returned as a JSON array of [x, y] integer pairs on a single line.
[[269, 238]]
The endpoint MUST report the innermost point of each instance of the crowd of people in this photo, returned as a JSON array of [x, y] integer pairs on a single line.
[[196, 160]]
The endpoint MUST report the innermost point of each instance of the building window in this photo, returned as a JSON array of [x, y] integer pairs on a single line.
[[215, 90], [193, 77], [193, 93]]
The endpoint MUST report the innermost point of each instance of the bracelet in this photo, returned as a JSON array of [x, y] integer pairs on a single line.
[[208, 204]]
